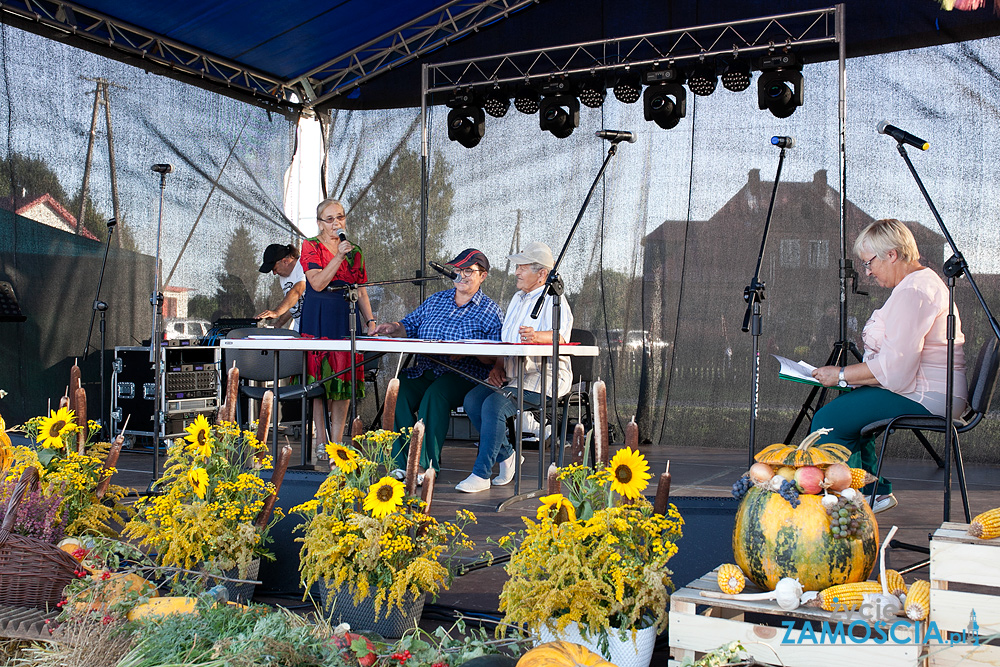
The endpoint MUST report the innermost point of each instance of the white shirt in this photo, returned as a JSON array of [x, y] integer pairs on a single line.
[[287, 283], [518, 315]]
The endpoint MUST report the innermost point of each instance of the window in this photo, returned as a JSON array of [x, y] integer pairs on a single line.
[[791, 255], [819, 254]]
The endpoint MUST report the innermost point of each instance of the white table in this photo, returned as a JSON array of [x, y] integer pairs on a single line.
[[417, 346]]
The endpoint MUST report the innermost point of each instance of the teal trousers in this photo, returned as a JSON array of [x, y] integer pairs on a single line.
[[431, 398], [852, 411]]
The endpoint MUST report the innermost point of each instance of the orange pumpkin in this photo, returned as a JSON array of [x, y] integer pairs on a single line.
[[561, 654], [808, 453]]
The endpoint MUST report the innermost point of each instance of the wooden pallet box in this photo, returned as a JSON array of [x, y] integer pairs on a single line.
[[959, 561], [806, 637]]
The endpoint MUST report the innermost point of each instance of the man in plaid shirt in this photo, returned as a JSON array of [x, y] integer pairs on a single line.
[[427, 390]]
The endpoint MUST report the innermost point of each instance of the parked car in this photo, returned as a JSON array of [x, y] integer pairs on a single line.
[[180, 328]]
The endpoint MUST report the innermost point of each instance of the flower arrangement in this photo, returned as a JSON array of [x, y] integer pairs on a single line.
[[211, 508], [362, 531], [596, 556], [79, 478]]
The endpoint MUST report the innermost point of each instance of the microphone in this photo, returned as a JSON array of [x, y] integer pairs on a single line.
[[615, 136], [902, 136], [163, 168], [341, 234], [783, 142], [443, 270]]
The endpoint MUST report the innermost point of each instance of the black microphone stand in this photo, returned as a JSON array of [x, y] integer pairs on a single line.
[[102, 307], [156, 301], [753, 294], [955, 267]]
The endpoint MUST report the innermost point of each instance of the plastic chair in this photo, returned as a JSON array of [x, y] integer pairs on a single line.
[[981, 385]]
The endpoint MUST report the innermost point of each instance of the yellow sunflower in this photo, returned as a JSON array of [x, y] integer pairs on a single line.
[[51, 429], [383, 497], [629, 473], [345, 459], [558, 507], [199, 480], [200, 435]]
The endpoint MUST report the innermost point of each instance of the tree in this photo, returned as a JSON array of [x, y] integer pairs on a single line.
[[239, 278]]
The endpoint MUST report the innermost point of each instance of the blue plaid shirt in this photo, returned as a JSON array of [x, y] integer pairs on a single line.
[[438, 318]]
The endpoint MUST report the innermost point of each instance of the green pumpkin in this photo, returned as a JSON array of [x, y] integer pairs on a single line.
[[772, 540]]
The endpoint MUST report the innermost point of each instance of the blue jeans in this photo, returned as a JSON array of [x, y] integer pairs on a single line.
[[852, 411], [488, 411]]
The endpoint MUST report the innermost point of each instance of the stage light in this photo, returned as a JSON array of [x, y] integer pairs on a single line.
[[779, 88], [628, 88], [559, 114], [526, 101], [664, 104], [703, 79], [466, 120], [497, 104], [592, 92], [736, 75]]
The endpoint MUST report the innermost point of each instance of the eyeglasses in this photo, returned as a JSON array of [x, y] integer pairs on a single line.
[[334, 218], [867, 266], [467, 273]]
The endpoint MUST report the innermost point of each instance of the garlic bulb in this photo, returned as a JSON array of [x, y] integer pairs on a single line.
[[829, 500], [850, 494], [787, 593]]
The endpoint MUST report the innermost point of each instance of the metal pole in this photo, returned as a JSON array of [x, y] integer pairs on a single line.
[[424, 176], [111, 163]]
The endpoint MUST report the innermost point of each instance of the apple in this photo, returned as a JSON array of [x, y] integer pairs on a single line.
[[809, 479], [788, 472]]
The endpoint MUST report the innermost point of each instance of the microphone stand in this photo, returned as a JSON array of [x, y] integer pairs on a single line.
[[753, 294], [955, 267], [102, 307], [156, 301]]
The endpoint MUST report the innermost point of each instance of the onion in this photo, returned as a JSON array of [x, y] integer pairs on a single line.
[[838, 477], [761, 472]]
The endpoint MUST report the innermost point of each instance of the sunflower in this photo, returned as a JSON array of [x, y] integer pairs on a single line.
[[383, 497], [629, 473], [557, 507], [200, 435], [199, 480], [51, 429], [345, 459]]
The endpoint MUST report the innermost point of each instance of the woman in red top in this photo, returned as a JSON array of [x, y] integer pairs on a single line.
[[329, 260]]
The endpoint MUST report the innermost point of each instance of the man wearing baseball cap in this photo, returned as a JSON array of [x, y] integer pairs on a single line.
[[427, 390], [488, 409], [283, 261]]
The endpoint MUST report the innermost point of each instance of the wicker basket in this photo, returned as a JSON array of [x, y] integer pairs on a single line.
[[33, 573]]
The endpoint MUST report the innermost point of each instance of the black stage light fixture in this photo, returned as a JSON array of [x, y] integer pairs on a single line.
[[497, 103], [592, 92], [779, 88], [526, 100], [628, 88], [664, 101], [466, 120], [559, 114], [736, 75], [703, 79]]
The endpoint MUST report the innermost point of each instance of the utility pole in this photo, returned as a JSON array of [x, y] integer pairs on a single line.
[[100, 98]]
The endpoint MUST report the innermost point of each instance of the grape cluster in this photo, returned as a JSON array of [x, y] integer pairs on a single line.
[[845, 518], [741, 486], [789, 492]]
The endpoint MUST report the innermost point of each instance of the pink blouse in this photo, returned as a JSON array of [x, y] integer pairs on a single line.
[[906, 345]]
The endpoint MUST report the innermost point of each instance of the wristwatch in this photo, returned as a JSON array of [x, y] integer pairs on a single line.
[[842, 383]]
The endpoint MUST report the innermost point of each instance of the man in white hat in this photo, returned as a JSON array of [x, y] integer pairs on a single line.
[[489, 409]]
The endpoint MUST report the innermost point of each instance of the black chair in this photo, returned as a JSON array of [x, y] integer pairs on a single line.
[[981, 384], [258, 366]]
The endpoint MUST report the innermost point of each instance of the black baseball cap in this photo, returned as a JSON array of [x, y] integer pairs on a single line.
[[272, 254], [468, 257]]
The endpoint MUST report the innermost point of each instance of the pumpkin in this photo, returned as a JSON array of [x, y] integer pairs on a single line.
[[772, 540], [164, 606], [561, 654], [5, 445], [808, 453]]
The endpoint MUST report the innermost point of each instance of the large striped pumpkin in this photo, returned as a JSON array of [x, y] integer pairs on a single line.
[[772, 540]]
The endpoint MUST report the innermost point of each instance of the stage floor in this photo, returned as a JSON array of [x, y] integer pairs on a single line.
[[696, 473]]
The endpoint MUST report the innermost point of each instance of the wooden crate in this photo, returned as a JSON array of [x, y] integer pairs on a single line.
[[957, 558], [699, 625]]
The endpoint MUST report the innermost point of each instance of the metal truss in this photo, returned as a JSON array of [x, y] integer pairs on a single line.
[[426, 33], [750, 36]]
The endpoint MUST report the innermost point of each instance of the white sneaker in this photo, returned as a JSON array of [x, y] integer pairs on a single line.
[[507, 470], [473, 484], [883, 503]]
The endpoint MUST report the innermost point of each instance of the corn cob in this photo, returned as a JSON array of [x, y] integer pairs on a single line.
[[860, 478], [847, 597], [894, 583], [918, 600], [731, 579], [986, 526]]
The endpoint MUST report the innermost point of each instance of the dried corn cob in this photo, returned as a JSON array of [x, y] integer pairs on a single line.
[[986, 526], [894, 583], [918, 600], [846, 597], [860, 478], [731, 579]]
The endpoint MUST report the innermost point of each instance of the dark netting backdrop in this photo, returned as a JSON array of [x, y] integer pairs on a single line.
[[656, 270]]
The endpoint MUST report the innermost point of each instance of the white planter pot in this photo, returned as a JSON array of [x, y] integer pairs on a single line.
[[621, 653]]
